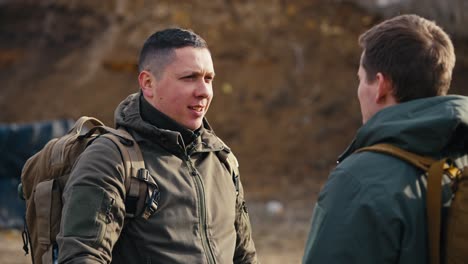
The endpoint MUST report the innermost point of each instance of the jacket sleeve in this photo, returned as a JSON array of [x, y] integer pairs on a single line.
[[352, 224], [245, 249], [93, 206]]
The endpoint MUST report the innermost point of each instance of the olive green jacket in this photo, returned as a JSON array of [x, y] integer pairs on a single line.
[[372, 208], [200, 218]]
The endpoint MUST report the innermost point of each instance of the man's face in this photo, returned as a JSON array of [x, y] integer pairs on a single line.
[[367, 95], [184, 90]]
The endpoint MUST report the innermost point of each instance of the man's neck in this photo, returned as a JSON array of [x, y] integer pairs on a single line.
[[158, 119]]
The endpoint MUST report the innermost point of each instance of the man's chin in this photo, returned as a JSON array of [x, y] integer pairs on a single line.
[[194, 125]]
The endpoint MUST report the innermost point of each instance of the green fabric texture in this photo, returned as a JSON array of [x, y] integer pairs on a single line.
[[375, 203], [82, 210]]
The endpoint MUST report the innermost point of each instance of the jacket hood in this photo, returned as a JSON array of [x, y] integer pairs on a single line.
[[432, 126], [127, 114]]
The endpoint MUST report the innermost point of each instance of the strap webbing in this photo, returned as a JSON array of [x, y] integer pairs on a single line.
[[421, 162], [434, 207], [133, 160], [143, 194]]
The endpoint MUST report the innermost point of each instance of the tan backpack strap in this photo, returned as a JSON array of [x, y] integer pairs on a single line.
[[434, 207], [133, 150], [419, 161], [142, 191], [133, 161], [435, 170]]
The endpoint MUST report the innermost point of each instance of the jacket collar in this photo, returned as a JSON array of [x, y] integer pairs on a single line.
[[432, 126], [128, 114], [162, 121]]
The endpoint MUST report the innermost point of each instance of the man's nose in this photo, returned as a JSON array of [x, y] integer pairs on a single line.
[[204, 89]]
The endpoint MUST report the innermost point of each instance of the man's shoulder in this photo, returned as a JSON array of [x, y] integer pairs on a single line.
[[102, 145], [371, 181], [378, 171], [100, 150], [367, 162]]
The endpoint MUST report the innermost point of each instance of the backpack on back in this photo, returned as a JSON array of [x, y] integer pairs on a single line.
[[45, 175], [454, 250]]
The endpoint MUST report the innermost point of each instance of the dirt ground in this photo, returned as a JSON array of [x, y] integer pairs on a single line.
[[284, 91]]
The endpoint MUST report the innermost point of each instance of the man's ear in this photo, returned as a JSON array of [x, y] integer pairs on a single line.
[[384, 93], [146, 81]]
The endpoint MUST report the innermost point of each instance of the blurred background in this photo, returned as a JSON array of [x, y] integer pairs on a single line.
[[285, 89]]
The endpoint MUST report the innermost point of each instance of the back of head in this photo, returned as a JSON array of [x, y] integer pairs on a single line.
[[414, 53], [158, 49]]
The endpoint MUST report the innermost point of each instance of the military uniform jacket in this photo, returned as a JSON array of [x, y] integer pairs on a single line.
[[372, 208], [200, 218]]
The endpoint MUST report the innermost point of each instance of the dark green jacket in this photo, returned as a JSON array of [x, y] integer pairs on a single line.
[[372, 208], [200, 219]]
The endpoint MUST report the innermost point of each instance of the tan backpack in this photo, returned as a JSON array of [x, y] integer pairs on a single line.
[[454, 250], [45, 175]]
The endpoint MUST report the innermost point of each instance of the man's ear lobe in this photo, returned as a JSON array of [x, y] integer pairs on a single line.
[[146, 81], [384, 89]]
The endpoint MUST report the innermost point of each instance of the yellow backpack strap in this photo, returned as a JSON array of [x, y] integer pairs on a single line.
[[435, 170]]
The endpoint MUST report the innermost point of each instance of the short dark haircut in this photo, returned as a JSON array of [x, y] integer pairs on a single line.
[[158, 50], [414, 53]]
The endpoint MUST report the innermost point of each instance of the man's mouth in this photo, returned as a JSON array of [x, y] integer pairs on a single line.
[[197, 108]]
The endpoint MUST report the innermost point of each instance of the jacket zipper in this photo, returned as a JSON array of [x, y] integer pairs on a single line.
[[202, 210]]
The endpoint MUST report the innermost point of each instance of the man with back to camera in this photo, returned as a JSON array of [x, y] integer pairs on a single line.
[[372, 208], [201, 216]]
